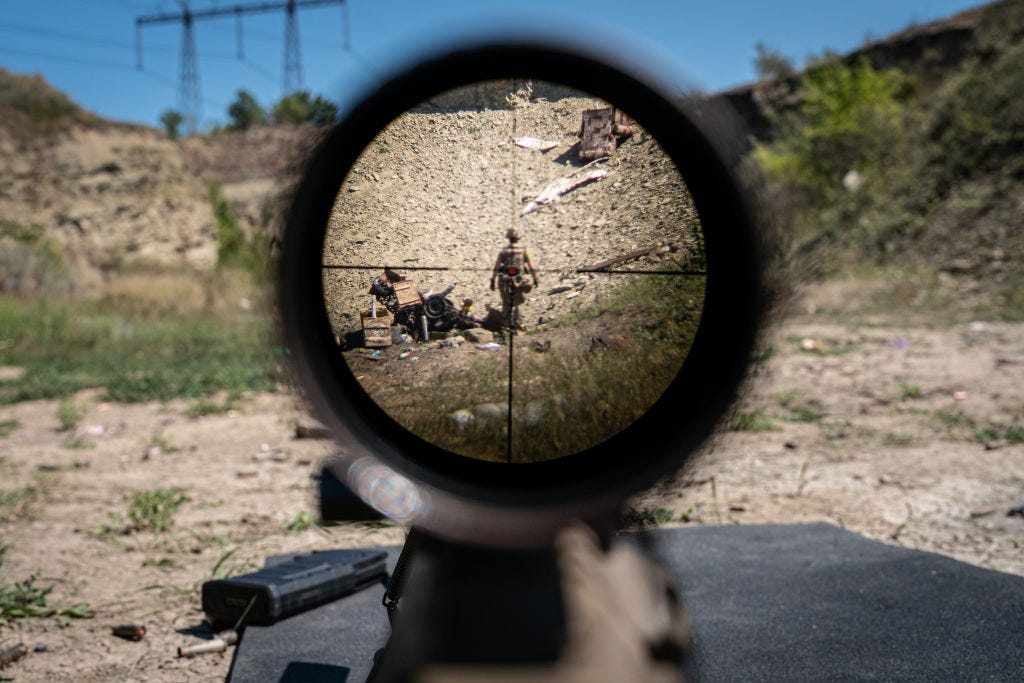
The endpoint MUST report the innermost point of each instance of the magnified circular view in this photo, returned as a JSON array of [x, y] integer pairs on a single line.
[[514, 271]]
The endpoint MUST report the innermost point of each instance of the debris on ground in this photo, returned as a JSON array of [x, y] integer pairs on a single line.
[[600, 131], [1016, 512], [219, 643], [12, 654], [622, 258], [310, 431], [134, 632], [560, 186], [529, 142]]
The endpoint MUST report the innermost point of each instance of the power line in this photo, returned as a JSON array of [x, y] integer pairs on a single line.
[[96, 40], [189, 72]]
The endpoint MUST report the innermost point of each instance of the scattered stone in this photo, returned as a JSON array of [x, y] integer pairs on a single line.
[[452, 342], [47, 467], [737, 508], [12, 654], [491, 346], [41, 647], [996, 444], [959, 395], [311, 431], [92, 430], [462, 417], [267, 453], [573, 295], [1016, 512], [540, 346], [82, 464], [544, 319], [808, 344], [560, 289], [791, 445]]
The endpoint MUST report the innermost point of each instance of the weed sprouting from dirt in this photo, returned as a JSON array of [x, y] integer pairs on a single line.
[[748, 421], [8, 426], [68, 414], [205, 407], [15, 503], [899, 439], [154, 510], [26, 598], [797, 410], [909, 391], [1013, 433], [647, 516], [301, 521]]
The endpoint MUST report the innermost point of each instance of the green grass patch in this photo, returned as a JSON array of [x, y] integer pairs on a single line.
[[65, 348], [909, 391], [161, 563], [301, 521], [68, 414], [833, 430], [899, 439], [154, 510], [77, 443], [204, 407], [797, 410], [648, 516], [955, 418], [563, 402], [14, 503], [748, 421], [1013, 433], [26, 599], [8, 426]]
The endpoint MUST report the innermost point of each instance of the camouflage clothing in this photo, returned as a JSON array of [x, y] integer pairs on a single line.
[[510, 271]]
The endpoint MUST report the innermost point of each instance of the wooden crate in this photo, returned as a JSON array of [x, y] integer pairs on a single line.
[[407, 293], [596, 138], [376, 330]]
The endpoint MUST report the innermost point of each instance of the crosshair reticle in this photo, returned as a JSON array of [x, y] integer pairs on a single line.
[[417, 234]]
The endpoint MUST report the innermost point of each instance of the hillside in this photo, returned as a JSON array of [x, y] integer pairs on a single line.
[[905, 158]]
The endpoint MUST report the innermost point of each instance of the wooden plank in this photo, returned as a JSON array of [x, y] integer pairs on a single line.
[[596, 137], [622, 258]]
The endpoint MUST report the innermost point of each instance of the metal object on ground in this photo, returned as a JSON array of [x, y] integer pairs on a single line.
[[134, 632], [291, 584], [219, 643], [600, 130]]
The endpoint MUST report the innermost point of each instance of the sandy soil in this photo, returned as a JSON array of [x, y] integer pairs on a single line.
[[870, 455]]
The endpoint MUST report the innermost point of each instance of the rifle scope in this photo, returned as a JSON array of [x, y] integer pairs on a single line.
[[539, 404]]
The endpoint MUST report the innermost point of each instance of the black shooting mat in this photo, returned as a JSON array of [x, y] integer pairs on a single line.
[[765, 603]]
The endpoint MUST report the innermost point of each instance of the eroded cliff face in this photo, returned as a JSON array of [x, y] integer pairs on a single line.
[[929, 52], [81, 197]]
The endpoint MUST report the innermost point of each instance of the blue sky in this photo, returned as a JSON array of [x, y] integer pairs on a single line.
[[86, 47]]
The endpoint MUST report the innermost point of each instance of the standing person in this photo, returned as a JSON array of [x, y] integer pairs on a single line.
[[508, 270]]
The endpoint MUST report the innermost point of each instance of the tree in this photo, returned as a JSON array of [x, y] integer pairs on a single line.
[[851, 117], [301, 106], [246, 112], [771, 63], [171, 121]]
